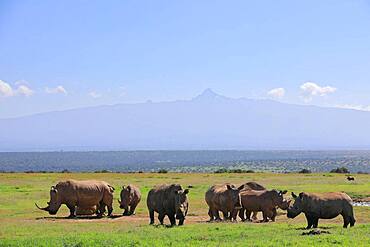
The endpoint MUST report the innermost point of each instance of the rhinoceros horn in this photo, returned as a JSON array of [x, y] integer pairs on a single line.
[[45, 208]]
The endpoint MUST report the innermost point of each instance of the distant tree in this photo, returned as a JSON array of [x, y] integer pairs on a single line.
[[162, 171], [340, 170], [305, 171], [65, 171], [221, 170], [103, 171], [361, 172]]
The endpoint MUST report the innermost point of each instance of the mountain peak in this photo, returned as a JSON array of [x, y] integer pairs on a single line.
[[209, 94]]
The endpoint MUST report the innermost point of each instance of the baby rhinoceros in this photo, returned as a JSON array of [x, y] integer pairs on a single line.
[[322, 206], [170, 200], [130, 198]]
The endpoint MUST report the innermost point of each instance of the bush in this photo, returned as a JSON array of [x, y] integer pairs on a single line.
[[224, 170], [221, 170], [103, 171], [162, 171], [361, 172], [66, 171], [305, 171], [340, 170]]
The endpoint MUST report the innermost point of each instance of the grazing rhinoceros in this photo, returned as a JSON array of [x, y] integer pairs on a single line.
[[322, 206], [224, 198], [82, 194], [251, 186], [262, 200], [130, 198], [170, 200]]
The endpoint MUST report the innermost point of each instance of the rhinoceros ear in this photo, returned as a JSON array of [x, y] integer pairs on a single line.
[[186, 191], [301, 195], [284, 192], [294, 195], [228, 186], [123, 187]]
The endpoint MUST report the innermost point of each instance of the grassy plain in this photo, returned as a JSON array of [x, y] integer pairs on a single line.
[[21, 224]]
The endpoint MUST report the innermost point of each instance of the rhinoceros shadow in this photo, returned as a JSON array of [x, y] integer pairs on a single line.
[[87, 217], [320, 227]]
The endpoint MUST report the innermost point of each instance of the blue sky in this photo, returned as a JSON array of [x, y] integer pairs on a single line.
[[67, 54]]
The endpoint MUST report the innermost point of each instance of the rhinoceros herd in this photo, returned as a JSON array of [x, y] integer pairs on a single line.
[[94, 197]]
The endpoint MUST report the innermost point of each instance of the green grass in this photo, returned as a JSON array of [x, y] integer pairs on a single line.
[[21, 224]]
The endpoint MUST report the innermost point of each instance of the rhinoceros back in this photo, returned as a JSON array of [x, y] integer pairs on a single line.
[[83, 193]]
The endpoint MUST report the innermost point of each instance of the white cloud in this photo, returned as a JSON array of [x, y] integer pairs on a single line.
[[311, 89], [56, 90], [276, 93], [21, 82], [95, 95], [25, 90], [5, 89], [354, 107]]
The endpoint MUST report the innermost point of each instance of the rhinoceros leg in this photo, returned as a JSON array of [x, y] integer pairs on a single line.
[[254, 217], [242, 214], [216, 215], [101, 209], [248, 215], [309, 221], [181, 221], [352, 220], [151, 216], [132, 210], [315, 222], [72, 211], [226, 215], [274, 213], [172, 219], [161, 218], [110, 210]]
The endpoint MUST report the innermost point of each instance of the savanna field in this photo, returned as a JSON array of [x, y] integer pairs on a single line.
[[21, 224]]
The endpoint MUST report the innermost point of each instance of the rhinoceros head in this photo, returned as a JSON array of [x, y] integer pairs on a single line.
[[54, 204], [126, 197], [297, 206], [278, 198], [234, 195], [181, 203]]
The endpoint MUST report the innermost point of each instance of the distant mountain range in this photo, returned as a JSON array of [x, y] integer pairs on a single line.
[[208, 121]]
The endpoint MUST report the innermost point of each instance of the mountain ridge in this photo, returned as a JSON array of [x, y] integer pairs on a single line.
[[207, 121]]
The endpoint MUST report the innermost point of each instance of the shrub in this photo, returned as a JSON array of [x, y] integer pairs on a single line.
[[103, 171], [305, 171], [340, 170], [221, 170], [162, 171], [224, 170], [66, 171], [361, 172]]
